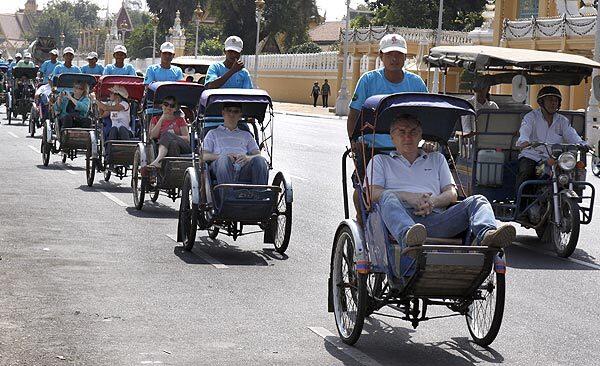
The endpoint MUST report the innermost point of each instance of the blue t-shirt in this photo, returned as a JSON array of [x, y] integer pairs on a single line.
[[157, 73], [96, 70], [47, 68], [112, 69], [240, 79], [62, 69], [374, 83]]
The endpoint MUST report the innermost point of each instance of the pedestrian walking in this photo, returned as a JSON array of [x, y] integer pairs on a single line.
[[325, 91], [316, 90]]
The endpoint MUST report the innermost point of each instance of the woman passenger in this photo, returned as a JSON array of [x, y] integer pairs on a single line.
[[118, 112], [74, 108], [172, 133]]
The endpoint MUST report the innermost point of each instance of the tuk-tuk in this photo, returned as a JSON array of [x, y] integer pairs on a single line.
[[559, 200]]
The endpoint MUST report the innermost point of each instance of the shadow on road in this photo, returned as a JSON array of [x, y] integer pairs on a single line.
[[385, 343], [229, 255], [532, 257], [153, 210]]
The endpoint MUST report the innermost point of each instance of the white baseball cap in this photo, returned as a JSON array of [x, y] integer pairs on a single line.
[[392, 42], [18, 54], [68, 50], [167, 47], [120, 48], [92, 55], [27, 55], [54, 52], [234, 43]]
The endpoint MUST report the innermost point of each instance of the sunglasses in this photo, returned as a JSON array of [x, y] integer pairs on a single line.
[[233, 110], [170, 105]]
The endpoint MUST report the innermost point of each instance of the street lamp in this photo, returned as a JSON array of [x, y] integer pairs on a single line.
[[62, 40], [438, 37], [98, 30], [260, 7], [198, 18], [341, 104], [154, 20]]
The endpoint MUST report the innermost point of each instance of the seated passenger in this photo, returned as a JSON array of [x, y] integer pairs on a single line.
[[417, 195], [234, 153], [480, 101], [73, 108], [171, 132], [117, 115], [543, 125]]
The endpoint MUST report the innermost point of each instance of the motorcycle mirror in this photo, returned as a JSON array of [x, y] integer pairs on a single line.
[[519, 88], [596, 87]]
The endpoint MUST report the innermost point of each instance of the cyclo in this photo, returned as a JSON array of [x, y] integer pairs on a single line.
[[369, 270], [20, 93], [169, 177], [115, 156], [68, 141], [228, 208], [560, 199]]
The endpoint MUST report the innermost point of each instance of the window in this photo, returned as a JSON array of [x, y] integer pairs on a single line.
[[527, 9]]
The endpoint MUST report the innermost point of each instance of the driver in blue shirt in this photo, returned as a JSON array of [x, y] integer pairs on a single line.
[[164, 71], [67, 66], [231, 72], [119, 67], [92, 68], [48, 66]]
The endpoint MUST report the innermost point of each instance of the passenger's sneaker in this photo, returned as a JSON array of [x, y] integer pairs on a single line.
[[416, 235], [500, 237]]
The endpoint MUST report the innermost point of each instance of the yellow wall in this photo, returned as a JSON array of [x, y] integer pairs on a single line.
[[284, 86]]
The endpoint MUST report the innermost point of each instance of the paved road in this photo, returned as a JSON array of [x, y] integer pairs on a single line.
[[88, 280]]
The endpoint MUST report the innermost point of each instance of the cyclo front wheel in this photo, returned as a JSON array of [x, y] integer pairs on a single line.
[[45, 147], [188, 215], [90, 167], [565, 236], [349, 289], [484, 315], [138, 183], [284, 217]]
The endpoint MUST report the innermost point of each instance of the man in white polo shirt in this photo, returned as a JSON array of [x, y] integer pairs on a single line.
[[234, 153], [415, 191]]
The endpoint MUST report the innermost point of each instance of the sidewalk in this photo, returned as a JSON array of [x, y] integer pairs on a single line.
[[305, 110]]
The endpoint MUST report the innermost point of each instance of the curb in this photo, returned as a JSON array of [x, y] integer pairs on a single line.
[[299, 114]]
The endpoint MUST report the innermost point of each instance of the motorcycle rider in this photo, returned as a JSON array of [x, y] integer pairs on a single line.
[[546, 125]]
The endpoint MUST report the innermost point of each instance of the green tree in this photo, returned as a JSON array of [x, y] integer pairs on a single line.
[[458, 14], [210, 47], [205, 33], [139, 42], [64, 17], [360, 21], [308, 47], [165, 10]]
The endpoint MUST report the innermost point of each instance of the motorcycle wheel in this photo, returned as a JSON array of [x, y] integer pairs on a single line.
[[565, 236]]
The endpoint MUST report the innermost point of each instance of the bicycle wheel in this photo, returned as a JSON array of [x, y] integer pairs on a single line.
[[484, 315]]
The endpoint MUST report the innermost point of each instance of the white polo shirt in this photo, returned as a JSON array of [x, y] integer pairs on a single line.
[[535, 128], [468, 122], [429, 173], [222, 140]]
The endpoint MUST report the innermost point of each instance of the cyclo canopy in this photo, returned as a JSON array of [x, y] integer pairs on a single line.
[[187, 94], [133, 84], [437, 113], [254, 102], [67, 80]]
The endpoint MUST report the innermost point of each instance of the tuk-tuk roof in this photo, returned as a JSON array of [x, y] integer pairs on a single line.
[[437, 113], [254, 101], [67, 80], [133, 84], [200, 66], [501, 57], [187, 94]]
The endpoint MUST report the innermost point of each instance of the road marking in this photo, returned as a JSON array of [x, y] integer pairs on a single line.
[[553, 255], [357, 355], [13, 135], [300, 144], [210, 260], [113, 198], [299, 178], [34, 149]]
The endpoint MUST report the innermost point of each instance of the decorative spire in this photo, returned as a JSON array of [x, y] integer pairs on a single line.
[[488, 14], [588, 10]]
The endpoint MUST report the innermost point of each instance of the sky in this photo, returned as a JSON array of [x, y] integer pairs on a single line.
[[335, 8]]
